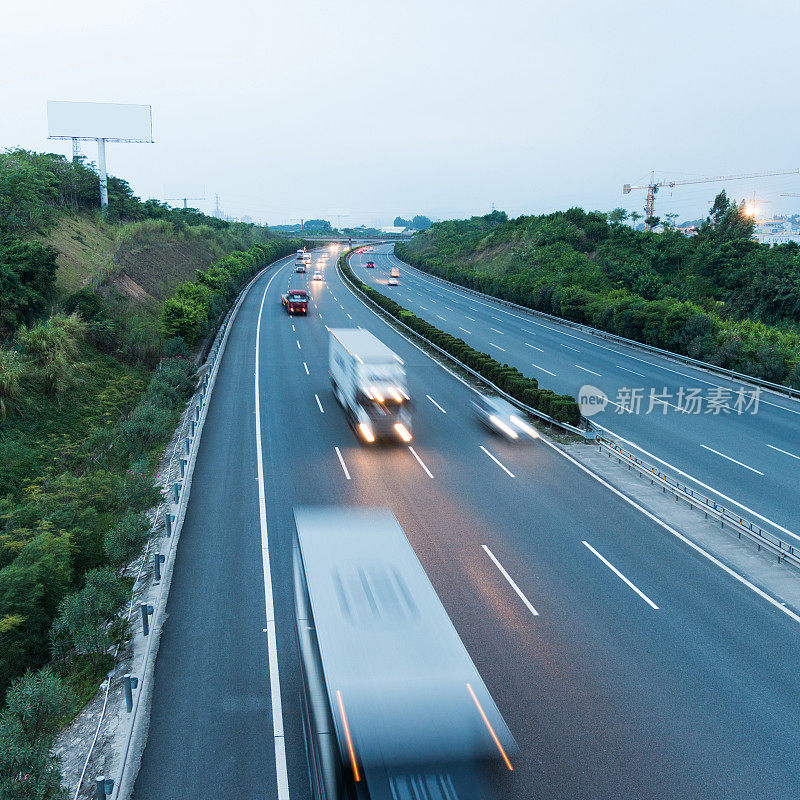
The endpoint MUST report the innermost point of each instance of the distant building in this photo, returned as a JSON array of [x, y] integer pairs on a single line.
[[776, 231], [688, 230], [392, 229]]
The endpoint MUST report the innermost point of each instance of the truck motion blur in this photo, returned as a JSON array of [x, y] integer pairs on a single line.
[[369, 383], [295, 301]]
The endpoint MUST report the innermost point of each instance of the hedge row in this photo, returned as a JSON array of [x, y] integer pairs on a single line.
[[196, 304], [561, 407]]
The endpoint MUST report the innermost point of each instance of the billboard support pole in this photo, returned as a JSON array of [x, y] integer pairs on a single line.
[[101, 166]]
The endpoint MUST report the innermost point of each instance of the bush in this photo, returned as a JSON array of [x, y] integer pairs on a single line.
[[11, 371], [126, 539], [51, 348], [136, 491], [175, 348], [148, 425]]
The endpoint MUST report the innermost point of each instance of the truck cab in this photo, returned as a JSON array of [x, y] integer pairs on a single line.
[[295, 301]]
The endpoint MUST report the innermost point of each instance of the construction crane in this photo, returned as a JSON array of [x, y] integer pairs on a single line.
[[654, 186]]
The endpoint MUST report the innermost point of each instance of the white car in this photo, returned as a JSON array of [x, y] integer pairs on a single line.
[[500, 417], [392, 281], [317, 276]]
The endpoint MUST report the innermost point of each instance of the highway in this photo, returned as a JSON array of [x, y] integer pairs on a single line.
[[749, 462], [626, 664]]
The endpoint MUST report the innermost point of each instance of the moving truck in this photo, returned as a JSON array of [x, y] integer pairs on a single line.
[[369, 383]]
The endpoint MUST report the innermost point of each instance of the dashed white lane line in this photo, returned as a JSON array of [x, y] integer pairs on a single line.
[[321, 409], [471, 319], [499, 464], [511, 581], [305, 366], [423, 307], [341, 461], [341, 306], [590, 371], [421, 462], [625, 369], [465, 330], [293, 330], [622, 577], [349, 317], [569, 347], [785, 452], [496, 331], [740, 463], [492, 344], [544, 370], [441, 317], [534, 347], [298, 344], [435, 403]]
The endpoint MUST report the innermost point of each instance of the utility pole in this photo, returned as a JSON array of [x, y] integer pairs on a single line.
[[217, 209]]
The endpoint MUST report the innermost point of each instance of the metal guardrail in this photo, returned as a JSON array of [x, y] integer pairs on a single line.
[[785, 551], [740, 376], [586, 434]]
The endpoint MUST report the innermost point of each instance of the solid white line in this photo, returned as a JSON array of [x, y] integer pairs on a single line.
[[534, 347], [544, 370], [592, 372], [711, 449], [497, 462], [435, 403], [282, 774], [321, 409], [502, 333], [298, 343], [623, 578], [785, 452], [465, 330], [421, 463], [511, 581], [341, 461], [492, 344], [306, 367]]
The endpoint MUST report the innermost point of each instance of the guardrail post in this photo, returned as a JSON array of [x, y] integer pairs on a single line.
[[168, 521], [158, 560], [129, 683], [176, 487], [189, 441], [197, 413], [103, 787], [146, 611], [183, 467], [192, 431]]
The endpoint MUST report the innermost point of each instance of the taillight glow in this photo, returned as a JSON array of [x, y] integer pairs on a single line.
[[524, 427], [349, 739], [402, 432], [378, 396], [489, 726], [366, 432], [507, 430], [395, 394]]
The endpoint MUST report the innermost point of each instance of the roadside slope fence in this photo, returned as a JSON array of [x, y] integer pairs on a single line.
[[704, 365], [354, 284], [786, 551], [169, 515]]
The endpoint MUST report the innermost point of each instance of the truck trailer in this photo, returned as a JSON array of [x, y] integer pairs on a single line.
[[370, 384]]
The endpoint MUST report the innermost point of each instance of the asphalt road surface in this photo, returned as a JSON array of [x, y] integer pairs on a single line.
[[645, 672]]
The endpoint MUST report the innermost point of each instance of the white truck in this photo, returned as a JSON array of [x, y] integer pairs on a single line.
[[370, 384]]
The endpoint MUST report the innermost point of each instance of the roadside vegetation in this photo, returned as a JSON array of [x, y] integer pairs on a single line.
[[92, 385], [719, 296]]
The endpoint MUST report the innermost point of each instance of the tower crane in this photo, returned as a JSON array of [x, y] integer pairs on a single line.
[[654, 186]]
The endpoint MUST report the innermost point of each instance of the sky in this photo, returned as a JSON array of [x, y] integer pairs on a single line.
[[360, 111]]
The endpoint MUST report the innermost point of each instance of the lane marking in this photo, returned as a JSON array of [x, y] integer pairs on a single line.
[[505, 469], [349, 317], [590, 371], [511, 581], [441, 317], [423, 307], [569, 347], [544, 370], [623, 578], [298, 344], [306, 368], [435, 403], [640, 374], [465, 330], [341, 306], [421, 462], [741, 464], [281, 770], [492, 344], [496, 331], [293, 330], [321, 409], [471, 319], [785, 452], [341, 461], [534, 347]]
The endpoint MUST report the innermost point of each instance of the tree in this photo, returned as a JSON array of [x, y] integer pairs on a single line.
[[635, 217], [670, 220], [617, 216], [399, 222], [420, 223], [126, 539], [321, 225]]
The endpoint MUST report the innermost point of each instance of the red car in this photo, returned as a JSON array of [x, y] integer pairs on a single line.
[[295, 301]]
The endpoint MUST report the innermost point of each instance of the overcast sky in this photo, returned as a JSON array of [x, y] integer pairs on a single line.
[[370, 109]]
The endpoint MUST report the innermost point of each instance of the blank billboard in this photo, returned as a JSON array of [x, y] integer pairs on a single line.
[[121, 122]]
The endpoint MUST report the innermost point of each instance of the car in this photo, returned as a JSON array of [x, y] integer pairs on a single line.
[[392, 281], [370, 265], [300, 268], [500, 417], [317, 276]]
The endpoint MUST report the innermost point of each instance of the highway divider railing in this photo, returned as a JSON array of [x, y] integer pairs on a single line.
[[785, 551], [695, 362], [506, 381]]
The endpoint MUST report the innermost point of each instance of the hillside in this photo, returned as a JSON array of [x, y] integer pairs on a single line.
[[720, 296]]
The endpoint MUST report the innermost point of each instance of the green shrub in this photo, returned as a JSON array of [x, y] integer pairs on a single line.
[[11, 371], [148, 425], [50, 348], [136, 491], [124, 542]]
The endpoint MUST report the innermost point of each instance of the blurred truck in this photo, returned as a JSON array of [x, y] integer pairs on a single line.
[[370, 384]]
